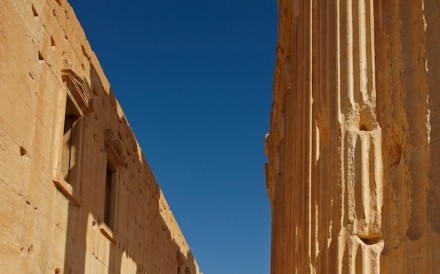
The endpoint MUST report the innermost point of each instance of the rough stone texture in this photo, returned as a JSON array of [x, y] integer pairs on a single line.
[[354, 153], [58, 221]]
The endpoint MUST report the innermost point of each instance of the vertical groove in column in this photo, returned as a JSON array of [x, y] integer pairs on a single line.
[[300, 159], [374, 186], [309, 116], [370, 52], [354, 51], [344, 84], [359, 182], [366, 196], [335, 183], [358, 261], [432, 15], [348, 52], [312, 149], [294, 192]]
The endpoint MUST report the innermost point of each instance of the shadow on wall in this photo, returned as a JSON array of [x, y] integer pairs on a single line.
[[114, 221]]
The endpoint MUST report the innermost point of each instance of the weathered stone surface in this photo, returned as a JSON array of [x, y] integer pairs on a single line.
[[57, 212], [353, 171]]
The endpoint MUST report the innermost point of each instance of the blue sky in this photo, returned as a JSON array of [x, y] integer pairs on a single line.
[[194, 79]]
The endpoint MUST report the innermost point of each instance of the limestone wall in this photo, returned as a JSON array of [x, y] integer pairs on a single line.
[[353, 171], [57, 213]]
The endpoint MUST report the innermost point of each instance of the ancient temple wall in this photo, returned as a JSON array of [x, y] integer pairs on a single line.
[[58, 219], [352, 172]]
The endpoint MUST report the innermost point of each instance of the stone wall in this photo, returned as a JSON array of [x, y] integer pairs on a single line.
[[354, 172], [76, 193]]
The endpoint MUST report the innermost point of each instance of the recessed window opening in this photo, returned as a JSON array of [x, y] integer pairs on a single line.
[[110, 194], [70, 136]]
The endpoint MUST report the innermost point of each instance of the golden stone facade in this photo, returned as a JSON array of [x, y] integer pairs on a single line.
[[77, 195], [354, 172]]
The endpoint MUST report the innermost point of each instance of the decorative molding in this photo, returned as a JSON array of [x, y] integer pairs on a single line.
[[78, 89]]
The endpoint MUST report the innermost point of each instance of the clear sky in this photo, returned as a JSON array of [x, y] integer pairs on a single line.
[[194, 78]]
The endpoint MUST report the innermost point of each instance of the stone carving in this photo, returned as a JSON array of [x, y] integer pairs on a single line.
[[78, 89], [114, 148]]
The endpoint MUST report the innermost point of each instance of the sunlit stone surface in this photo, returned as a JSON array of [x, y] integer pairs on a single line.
[[77, 195], [354, 153]]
